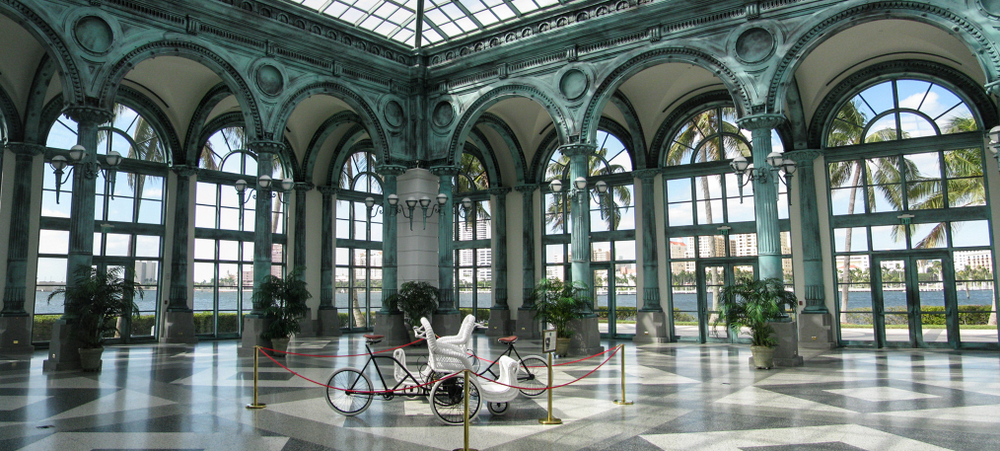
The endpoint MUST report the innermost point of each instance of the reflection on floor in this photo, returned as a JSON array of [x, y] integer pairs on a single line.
[[687, 397]]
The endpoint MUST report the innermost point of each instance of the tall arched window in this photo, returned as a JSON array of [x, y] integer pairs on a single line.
[[473, 238], [911, 222], [710, 223], [358, 255], [612, 224], [224, 232], [129, 226]]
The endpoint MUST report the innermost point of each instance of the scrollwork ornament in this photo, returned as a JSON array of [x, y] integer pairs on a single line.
[[803, 157], [761, 121], [446, 171], [526, 188], [394, 170], [184, 171], [264, 147], [646, 174], [575, 149], [304, 186], [500, 191], [26, 149], [328, 190], [88, 114]]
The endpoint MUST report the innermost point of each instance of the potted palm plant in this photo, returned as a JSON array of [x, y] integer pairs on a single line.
[[559, 303], [285, 301], [754, 304], [416, 300], [95, 302]]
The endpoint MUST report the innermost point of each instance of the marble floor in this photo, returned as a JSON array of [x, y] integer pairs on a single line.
[[687, 397]]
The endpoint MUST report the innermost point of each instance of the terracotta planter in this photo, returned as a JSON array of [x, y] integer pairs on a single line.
[[562, 346], [90, 358], [280, 345], [763, 357]]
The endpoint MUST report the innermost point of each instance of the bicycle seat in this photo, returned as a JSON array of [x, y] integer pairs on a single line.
[[373, 338], [508, 340]]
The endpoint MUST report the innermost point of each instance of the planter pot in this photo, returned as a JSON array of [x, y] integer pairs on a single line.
[[280, 345], [90, 359], [763, 356], [562, 346]]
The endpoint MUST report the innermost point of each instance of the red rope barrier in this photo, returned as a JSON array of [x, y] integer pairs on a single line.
[[612, 350], [344, 356]]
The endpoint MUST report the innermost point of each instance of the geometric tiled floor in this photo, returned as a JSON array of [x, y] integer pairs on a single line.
[[687, 397]]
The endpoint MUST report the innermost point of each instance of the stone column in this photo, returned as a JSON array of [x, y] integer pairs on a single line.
[[526, 325], [500, 323], [651, 321], [389, 320], [587, 339], [178, 318], [815, 321], [63, 349], [447, 318], [15, 322], [765, 197], [306, 325], [255, 322], [328, 321]]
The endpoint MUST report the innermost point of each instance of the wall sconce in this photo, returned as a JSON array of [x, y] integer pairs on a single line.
[[779, 168], [994, 144], [77, 155], [579, 186], [264, 183], [464, 209], [411, 204], [373, 209]]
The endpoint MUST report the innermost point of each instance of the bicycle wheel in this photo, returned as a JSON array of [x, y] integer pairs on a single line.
[[532, 372], [497, 408], [448, 400], [349, 391]]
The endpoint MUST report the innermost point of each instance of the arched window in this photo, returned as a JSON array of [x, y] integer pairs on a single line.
[[358, 255], [224, 232], [129, 219], [910, 218], [710, 222], [612, 224], [473, 238]]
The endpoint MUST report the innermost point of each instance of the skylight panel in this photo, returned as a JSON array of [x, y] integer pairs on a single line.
[[314, 4], [366, 5], [452, 11], [370, 23], [401, 16], [525, 6], [466, 24], [450, 29], [474, 6], [436, 16], [430, 35], [544, 3], [503, 12], [336, 9], [386, 10], [386, 29], [352, 15], [486, 18]]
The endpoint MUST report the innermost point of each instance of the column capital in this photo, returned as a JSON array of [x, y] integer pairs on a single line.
[[759, 121], [184, 171], [575, 149], [646, 174], [304, 186], [803, 157], [993, 88], [328, 190], [262, 147], [88, 114], [527, 188], [390, 169], [498, 191], [446, 171], [27, 149]]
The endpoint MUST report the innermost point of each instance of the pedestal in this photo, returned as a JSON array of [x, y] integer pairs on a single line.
[[392, 326], [586, 339], [306, 327], [446, 323], [500, 324], [64, 349], [328, 323], [527, 326], [651, 327], [252, 327], [178, 327], [787, 351], [816, 330], [15, 337]]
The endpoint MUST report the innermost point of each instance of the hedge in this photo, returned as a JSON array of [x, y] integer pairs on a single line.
[[969, 315]]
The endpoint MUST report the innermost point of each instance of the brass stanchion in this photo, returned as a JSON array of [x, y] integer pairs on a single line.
[[466, 414], [623, 402], [550, 419], [256, 405]]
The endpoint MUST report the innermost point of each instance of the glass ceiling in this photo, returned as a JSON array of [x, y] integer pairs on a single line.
[[443, 19]]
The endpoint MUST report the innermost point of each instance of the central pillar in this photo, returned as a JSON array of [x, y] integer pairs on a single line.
[[328, 321], [178, 319], [586, 338], [651, 322], [389, 319], [447, 318], [500, 324], [526, 325]]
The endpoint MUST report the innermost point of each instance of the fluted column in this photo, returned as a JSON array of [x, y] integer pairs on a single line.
[[15, 323], [329, 321], [447, 316], [306, 327], [63, 351], [587, 337], [389, 321], [255, 322], [765, 195], [499, 313], [526, 325], [178, 318], [651, 322]]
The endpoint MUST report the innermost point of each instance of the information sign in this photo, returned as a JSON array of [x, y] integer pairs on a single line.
[[549, 340]]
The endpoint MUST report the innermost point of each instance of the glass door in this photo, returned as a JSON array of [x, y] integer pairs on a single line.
[[711, 276], [604, 295], [914, 301]]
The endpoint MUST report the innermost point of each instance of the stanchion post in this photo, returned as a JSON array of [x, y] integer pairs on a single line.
[[550, 419], [623, 402], [256, 405], [466, 414]]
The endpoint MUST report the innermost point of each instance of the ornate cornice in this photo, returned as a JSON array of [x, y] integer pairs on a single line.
[[446, 171], [394, 170], [646, 174], [328, 190], [760, 121], [526, 188], [184, 171], [88, 114], [803, 157], [498, 191], [575, 149], [26, 149], [266, 147], [304, 186]]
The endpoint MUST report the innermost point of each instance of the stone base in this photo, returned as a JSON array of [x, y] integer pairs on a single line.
[[586, 339], [178, 327], [64, 349], [446, 323], [306, 328], [528, 327], [328, 323], [816, 330], [500, 323], [651, 327], [252, 327], [391, 325], [15, 337], [787, 351]]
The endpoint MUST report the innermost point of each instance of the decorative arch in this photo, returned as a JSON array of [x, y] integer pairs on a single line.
[[325, 130], [35, 104], [507, 134], [154, 115], [541, 156], [610, 84], [477, 108], [367, 114], [623, 134], [836, 21], [198, 53], [347, 146], [953, 79], [195, 130], [672, 123], [10, 118], [487, 155], [224, 120], [634, 132], [53, 43]]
